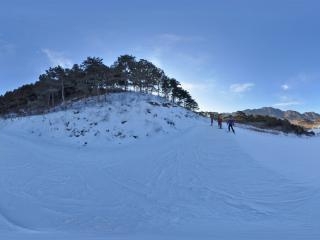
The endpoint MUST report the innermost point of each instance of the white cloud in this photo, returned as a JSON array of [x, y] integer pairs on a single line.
[[170, 38], [286, 104], [286, 101], [241, 87], [155, 58], [285, 98], [305, 78], [57, 58], [6, 47], [164, 51], [285, 87], [196, 86]]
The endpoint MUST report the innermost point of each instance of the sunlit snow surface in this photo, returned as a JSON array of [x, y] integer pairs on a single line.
[[134, 167]]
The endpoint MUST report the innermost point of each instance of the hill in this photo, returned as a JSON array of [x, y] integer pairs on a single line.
[[118, 118], [308, 120], [59, 85], [265, 122]]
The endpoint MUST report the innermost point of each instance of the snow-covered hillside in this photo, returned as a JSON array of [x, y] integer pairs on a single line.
[[115, 118], [178, 179]]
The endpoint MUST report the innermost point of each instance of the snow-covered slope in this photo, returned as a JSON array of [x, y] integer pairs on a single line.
[[187, 180], [116, 118]]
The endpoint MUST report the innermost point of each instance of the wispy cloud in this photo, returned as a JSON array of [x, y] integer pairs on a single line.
[[287, 101], [6, 47], [196, 86], [155, 57], [171, 38], [304, 78], [57, 58], [286, 104], [241, 87], [285, 87], [165, 51]]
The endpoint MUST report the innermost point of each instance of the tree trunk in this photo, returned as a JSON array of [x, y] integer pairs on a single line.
[[62, 91], [52, 99]]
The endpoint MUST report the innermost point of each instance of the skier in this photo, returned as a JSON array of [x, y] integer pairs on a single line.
[[220, 121], [230, 123], [211, 118]]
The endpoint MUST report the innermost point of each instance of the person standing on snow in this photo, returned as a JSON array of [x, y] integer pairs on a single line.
[[230, 123], [211, 118], [220, 121]]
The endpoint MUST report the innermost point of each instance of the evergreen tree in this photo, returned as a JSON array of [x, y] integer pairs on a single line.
[[123, 69], [165, 87], [174, 85], [93, 77], [96, 73]]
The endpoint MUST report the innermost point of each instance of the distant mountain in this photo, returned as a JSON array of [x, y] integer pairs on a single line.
[[307, 119], [265, 111]]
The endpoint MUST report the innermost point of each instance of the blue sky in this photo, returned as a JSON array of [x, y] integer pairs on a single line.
[[231, 55]]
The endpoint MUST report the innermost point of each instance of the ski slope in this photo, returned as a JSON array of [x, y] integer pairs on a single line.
[[187, 180]]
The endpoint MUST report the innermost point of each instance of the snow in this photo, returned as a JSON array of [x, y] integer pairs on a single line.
[[316, 130], [179, 178], [296, 157], [115, 119]]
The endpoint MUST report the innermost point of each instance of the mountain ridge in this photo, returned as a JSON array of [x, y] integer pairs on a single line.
[[306, 119]]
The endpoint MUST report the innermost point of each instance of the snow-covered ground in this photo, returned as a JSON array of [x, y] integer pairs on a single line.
[[134, 167], [116, 119], [316, 130]]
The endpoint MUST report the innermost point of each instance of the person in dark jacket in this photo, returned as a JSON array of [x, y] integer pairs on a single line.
[[211, 118], [219, 121], [230, 123]]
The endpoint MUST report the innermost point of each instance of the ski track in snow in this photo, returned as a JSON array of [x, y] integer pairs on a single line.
[[195, 182]]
